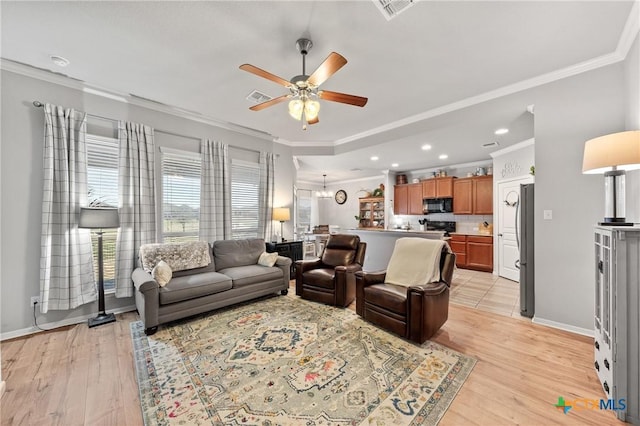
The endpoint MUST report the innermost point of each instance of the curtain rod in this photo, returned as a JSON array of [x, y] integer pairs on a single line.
[[39, 104]]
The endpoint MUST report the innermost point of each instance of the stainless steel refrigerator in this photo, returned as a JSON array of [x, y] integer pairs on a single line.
[[525, 241]]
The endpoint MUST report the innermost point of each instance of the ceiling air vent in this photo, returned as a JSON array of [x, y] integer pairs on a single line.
[[490, 144], [391, 8], [258, 97]]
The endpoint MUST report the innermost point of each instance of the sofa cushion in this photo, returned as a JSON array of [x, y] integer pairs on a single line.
[[251, 274], [179, 256], [192, 286], [231, 253]]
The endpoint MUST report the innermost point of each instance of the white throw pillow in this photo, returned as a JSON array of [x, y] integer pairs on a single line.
[[268, 259], [162, 273]]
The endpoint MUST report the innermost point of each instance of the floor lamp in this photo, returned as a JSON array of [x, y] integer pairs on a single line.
[[282, 215], [99, 218]]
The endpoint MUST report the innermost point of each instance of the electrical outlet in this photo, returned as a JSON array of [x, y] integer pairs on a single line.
[[34, 300]]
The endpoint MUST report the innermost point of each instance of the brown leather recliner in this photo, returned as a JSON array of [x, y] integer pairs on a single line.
[[330, 279], [416, 312]]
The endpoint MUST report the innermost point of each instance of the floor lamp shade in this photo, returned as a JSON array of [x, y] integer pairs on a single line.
[[281, 214], [612, 155], [99, 218]]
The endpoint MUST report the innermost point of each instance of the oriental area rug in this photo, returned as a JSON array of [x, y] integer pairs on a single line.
[[287, 361]]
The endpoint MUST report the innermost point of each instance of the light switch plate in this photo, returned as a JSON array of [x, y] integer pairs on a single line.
[[548, 214]]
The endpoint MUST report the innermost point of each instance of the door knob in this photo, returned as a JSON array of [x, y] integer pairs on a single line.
[[499, 235]]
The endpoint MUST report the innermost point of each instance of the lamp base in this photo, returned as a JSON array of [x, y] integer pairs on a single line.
[[615, 223], [101, 319]]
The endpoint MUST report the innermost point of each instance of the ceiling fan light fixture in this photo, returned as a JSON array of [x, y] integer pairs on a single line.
[[296, 106], [311, 109]]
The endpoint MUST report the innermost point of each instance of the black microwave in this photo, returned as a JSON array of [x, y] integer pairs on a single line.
[[438, 205]]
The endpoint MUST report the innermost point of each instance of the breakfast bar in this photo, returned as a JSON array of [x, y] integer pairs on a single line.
[[380, 243]]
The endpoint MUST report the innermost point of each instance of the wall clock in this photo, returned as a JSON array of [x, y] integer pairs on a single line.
[[341, 196]]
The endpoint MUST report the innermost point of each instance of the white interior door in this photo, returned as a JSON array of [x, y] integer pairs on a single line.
[[508, 211]]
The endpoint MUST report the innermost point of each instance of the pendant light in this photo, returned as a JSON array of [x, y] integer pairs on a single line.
[[324, 193]]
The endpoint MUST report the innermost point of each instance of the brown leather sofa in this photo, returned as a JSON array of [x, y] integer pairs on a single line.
[[415, 313], [330, 279]]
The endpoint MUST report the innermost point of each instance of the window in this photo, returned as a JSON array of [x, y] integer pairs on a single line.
[[102, 186], [180, 196], [245, 190], [304, 197]]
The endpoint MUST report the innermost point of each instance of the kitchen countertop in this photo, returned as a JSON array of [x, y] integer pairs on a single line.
[[400, 231], [474, 234]]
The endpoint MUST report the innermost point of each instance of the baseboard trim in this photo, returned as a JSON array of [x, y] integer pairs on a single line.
[[52, 325], [563, 326]]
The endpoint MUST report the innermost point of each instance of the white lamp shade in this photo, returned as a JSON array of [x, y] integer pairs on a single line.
[[281, 214], [98, 218], [296, 106], [620, 150]]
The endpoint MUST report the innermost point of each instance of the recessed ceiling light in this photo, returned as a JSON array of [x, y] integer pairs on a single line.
[[443, 156], [426, 147], [374, 158], [394, 164], [59, 60], [501, 131]]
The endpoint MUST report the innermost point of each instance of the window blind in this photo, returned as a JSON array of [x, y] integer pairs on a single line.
[[245, 186], [180, 197], [102, 188]]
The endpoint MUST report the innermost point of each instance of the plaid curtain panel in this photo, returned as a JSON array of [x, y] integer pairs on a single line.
[[267, 166], [215, 191]]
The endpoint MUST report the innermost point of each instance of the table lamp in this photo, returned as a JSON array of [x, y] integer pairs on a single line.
[[281, 214], [612, 155], [99, 218]]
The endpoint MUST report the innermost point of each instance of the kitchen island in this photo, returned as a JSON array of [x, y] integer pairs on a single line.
[[380, 244]]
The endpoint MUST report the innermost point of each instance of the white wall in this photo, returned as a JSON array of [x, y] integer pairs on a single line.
[[568, 113], [632, 122], [21, 180]]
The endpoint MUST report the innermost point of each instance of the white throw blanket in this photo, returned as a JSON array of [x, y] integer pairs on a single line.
[[414, 261]]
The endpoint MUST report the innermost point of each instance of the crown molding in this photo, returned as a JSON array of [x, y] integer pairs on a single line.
[[66, 81], [514, 147], [630, 30]]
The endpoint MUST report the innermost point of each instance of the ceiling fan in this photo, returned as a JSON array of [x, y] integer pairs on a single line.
[[303, 104]]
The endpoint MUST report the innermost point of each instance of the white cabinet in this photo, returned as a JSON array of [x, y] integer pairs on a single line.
[[617, 253]]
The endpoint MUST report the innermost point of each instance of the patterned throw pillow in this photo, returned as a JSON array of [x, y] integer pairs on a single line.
[[162, 273], [267, 259]]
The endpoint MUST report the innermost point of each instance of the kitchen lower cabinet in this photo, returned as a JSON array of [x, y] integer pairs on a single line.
[[480, 253], [458, 244], [616, 319], [473, 251]]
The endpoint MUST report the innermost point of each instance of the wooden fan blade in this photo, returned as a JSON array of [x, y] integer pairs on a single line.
[[333, 63], [314, 121], [273, 101], [265, 74], [342, 98]]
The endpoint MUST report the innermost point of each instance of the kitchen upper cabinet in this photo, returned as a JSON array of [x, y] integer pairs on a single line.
[[437, 187], [483, 195], [463, 196], [415, 199], [473, 195], [407, 199], [401, 199]]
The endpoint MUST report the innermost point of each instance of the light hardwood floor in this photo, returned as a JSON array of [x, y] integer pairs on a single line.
[[81, 376]]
